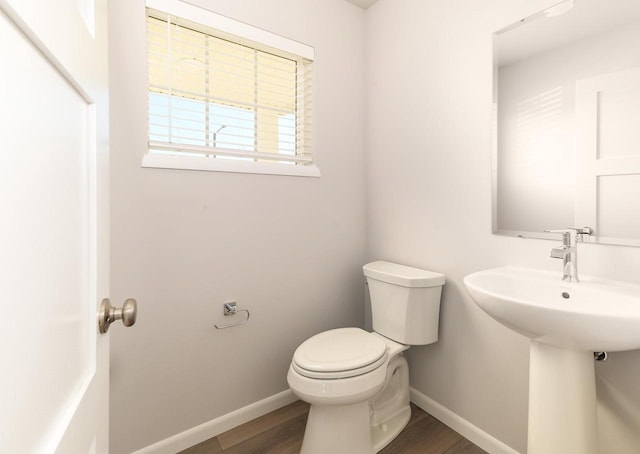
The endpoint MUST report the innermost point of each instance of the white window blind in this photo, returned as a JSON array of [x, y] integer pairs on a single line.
[[216, 96]]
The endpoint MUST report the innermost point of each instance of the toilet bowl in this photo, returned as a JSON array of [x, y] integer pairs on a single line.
[[358, 382], [346, 375]]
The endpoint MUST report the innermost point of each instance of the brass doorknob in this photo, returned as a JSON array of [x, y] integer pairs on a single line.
[[108, 314]]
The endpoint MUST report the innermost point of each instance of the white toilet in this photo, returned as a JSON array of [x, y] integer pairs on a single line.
[[358, 382]]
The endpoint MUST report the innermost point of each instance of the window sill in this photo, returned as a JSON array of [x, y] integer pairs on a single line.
[[225, 165]]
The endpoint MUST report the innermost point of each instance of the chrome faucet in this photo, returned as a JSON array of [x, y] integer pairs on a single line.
[[568, 252]]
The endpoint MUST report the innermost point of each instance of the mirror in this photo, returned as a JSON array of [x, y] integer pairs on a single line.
[[567, 122]]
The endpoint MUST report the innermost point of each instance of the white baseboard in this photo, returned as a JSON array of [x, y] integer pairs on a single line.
[[219, 425], [472, 433]]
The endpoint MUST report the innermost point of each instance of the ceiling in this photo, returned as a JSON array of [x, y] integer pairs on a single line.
[[362, 3]]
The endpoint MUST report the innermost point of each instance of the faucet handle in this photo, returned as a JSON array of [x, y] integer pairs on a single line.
[[569, 232], [580, 231]]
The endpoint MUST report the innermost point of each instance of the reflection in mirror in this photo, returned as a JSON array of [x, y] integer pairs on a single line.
[[567, 122]]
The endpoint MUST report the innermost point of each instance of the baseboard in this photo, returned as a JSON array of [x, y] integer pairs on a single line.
[[219, 425], [472, 433]]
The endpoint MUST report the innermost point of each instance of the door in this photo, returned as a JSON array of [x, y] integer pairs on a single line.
[[53, 226], [608, 155]]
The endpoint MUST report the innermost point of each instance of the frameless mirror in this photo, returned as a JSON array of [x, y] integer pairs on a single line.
[[567, 122]]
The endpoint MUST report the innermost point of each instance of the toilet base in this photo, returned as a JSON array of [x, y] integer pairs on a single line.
[[387, 431], [390, 410], [338, 429]]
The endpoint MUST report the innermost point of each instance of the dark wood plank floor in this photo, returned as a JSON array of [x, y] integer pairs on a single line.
[[281, 431]]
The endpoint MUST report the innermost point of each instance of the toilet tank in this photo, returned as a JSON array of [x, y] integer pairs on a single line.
[[405, 302]]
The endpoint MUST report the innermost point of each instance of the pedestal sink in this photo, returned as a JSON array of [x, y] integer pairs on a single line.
[[566, 322]]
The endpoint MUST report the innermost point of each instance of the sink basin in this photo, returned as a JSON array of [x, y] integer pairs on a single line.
[[592, 315], [566, 322]]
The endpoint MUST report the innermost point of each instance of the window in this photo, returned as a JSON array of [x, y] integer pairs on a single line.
[[224, 95]]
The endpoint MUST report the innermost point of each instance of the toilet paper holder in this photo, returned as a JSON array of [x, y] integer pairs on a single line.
[[231, 308]]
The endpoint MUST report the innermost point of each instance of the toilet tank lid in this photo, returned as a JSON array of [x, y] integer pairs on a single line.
[[403, 275]]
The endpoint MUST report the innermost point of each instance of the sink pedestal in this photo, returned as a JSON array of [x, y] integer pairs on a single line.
[[562, 401]]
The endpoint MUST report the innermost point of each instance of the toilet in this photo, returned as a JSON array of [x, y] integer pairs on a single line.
[[357, 382]]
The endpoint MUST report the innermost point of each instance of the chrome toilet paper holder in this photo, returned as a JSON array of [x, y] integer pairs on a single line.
[[231, 308]]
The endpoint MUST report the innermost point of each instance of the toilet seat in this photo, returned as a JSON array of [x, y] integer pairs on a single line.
[[339, 353]]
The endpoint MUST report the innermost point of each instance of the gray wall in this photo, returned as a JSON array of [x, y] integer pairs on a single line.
[[289, 249], [429, 67]]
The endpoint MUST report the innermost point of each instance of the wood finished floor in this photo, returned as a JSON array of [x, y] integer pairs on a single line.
[[281, 431]]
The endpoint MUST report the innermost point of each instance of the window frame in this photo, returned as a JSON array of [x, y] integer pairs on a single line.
[[244, 34]]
